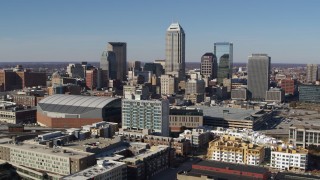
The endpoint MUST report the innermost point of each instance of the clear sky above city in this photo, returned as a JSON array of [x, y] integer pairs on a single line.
[[60, 30]]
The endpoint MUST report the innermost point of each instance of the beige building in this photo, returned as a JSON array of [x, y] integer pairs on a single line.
[[185, 118], [168, 84], [233, 150], [58, 161]]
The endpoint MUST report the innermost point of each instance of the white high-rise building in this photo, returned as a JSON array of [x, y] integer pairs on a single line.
[[175, 50], [312, 72], [146, 114]]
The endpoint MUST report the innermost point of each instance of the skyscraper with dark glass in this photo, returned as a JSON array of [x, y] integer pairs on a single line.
[[209, 66], [224, 54], [120, 51], [175, 51], [258, 75]]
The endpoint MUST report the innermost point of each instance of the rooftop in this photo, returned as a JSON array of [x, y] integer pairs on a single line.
[[231, 166], [227, 112], [73, 104], [149, 152], [60, 152], [102, 167]]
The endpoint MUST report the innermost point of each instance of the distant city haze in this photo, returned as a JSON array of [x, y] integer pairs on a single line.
[[65, 31]]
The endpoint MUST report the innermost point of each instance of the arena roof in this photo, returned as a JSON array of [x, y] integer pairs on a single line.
[[73, 104]]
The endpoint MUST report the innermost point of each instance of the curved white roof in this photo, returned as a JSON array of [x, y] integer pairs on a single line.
[[73, 104]]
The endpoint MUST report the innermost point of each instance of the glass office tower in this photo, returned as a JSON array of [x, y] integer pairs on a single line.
[[224, 54]]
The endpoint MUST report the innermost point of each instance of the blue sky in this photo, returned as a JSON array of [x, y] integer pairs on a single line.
[[66, 30]]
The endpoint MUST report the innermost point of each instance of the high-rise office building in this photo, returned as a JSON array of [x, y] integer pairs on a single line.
[[120, 51], [145, 114], [209, 66], [258, 75], [312, 73], [224, 54], [175, 51], [107, 61]]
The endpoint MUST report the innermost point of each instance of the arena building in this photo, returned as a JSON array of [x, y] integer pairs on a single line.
[[74, 111]]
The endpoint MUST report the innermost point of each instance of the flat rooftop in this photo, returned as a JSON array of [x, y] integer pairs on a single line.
[[60, 152], [95, 171], [92, 143], [227, 112], [149, 152], [232, 166]]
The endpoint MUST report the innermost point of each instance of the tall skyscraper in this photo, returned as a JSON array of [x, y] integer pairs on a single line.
[[107, 61], [120, 51], [312, 73], [209, 66], [224, 54], [258, 75], [175, 51]]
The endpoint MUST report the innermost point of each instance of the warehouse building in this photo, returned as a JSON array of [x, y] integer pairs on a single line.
[[74, 111], [235, 118]]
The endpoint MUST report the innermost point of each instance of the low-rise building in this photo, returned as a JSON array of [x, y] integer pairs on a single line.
[[10, 113], [309, 93], [105, 169], [182, 146], [235, 117], [148, 163], [275, 95], [181, 119], [41, 158], [207, 169], [239, 94], [199, 137], [300, 135], [289, 158], [234, 150]]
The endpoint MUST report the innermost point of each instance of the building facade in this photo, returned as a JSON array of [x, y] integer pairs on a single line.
[[309, 93], [286, 158], [180, 119], [209, 66], [239, 94], [168, 84], [258, 75], [13, 80], [233, 150], [59, 161], [312, 73], [275, 95], [304, 136], [120, 51], [146, 114], [175, 50], [289, 86], [224, 54]]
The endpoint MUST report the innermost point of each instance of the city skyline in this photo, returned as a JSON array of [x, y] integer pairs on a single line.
[[66, 31]]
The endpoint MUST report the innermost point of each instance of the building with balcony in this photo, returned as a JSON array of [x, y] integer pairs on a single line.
[[234, 150], [289, 158]]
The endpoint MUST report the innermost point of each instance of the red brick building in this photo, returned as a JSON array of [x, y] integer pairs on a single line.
[[288, 85], [10, 80], [222, 170]]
